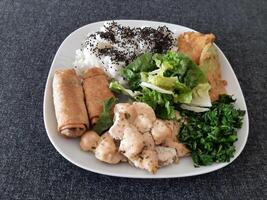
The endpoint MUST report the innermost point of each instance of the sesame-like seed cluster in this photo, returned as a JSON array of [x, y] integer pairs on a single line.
[[123, 43]]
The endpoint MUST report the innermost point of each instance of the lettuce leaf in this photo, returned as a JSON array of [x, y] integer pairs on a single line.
[[175, 64], [201, 95], [161, 103], [185, 97], [182, 93], [118, 88], [180, 74], [168, 83], [132, 72]]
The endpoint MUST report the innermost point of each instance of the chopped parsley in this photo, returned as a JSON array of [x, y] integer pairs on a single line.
[[211, 135]]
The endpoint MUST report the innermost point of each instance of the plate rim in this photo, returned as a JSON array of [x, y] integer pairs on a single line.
[[140, 176]]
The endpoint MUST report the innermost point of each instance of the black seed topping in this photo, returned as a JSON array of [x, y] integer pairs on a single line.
[[125, 43]]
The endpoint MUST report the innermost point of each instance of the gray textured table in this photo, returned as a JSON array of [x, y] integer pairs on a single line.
[[31, 32]]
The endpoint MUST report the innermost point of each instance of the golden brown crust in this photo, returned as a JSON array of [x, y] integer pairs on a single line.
[[210, 65], [93, 72], [69, 103], [96, 89], [192, 44]]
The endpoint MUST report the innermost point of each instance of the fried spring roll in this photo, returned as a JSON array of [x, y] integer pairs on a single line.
[[192, 44], [96, 89], [69, 103]]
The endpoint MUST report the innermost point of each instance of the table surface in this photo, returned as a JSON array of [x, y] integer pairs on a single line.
[[31, 32]]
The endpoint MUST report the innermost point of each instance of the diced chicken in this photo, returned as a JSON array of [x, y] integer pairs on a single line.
[[175, 128], [147, 160], [107, 151], [145, 109], [166, 155], [160, 131], [143, 123], [174, 125], [120, 123], [145, 116], [138, 131], [192, 44], [89, 141], [148, 141], [139, 114], [132, 142], [128, 110], [121, 107], [181, 149]]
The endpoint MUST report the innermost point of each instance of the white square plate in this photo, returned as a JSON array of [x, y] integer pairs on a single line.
[[70, 149]]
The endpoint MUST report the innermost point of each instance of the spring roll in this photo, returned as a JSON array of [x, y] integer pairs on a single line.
[[192, 44], [71, 113], [96, 90]]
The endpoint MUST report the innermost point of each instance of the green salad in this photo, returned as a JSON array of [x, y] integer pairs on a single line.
[[172, 81], [164, 81]]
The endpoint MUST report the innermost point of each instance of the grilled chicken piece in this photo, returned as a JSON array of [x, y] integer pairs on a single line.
[[139, 114], [147, 160], [181, 149], [174, 125], [128, 110], [166, 155], [148, 141], [160, 131], [107, 151], [89, 141], [145, 116], [132, 142], [119, 126]]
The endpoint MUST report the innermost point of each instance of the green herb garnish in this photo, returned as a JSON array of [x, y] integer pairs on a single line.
[[105, 119], [211, 135]]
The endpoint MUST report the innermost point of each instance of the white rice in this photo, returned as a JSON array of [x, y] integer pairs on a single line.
[[130, 47]]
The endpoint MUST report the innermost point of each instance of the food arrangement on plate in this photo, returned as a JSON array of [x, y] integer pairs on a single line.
[[147, 97]]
